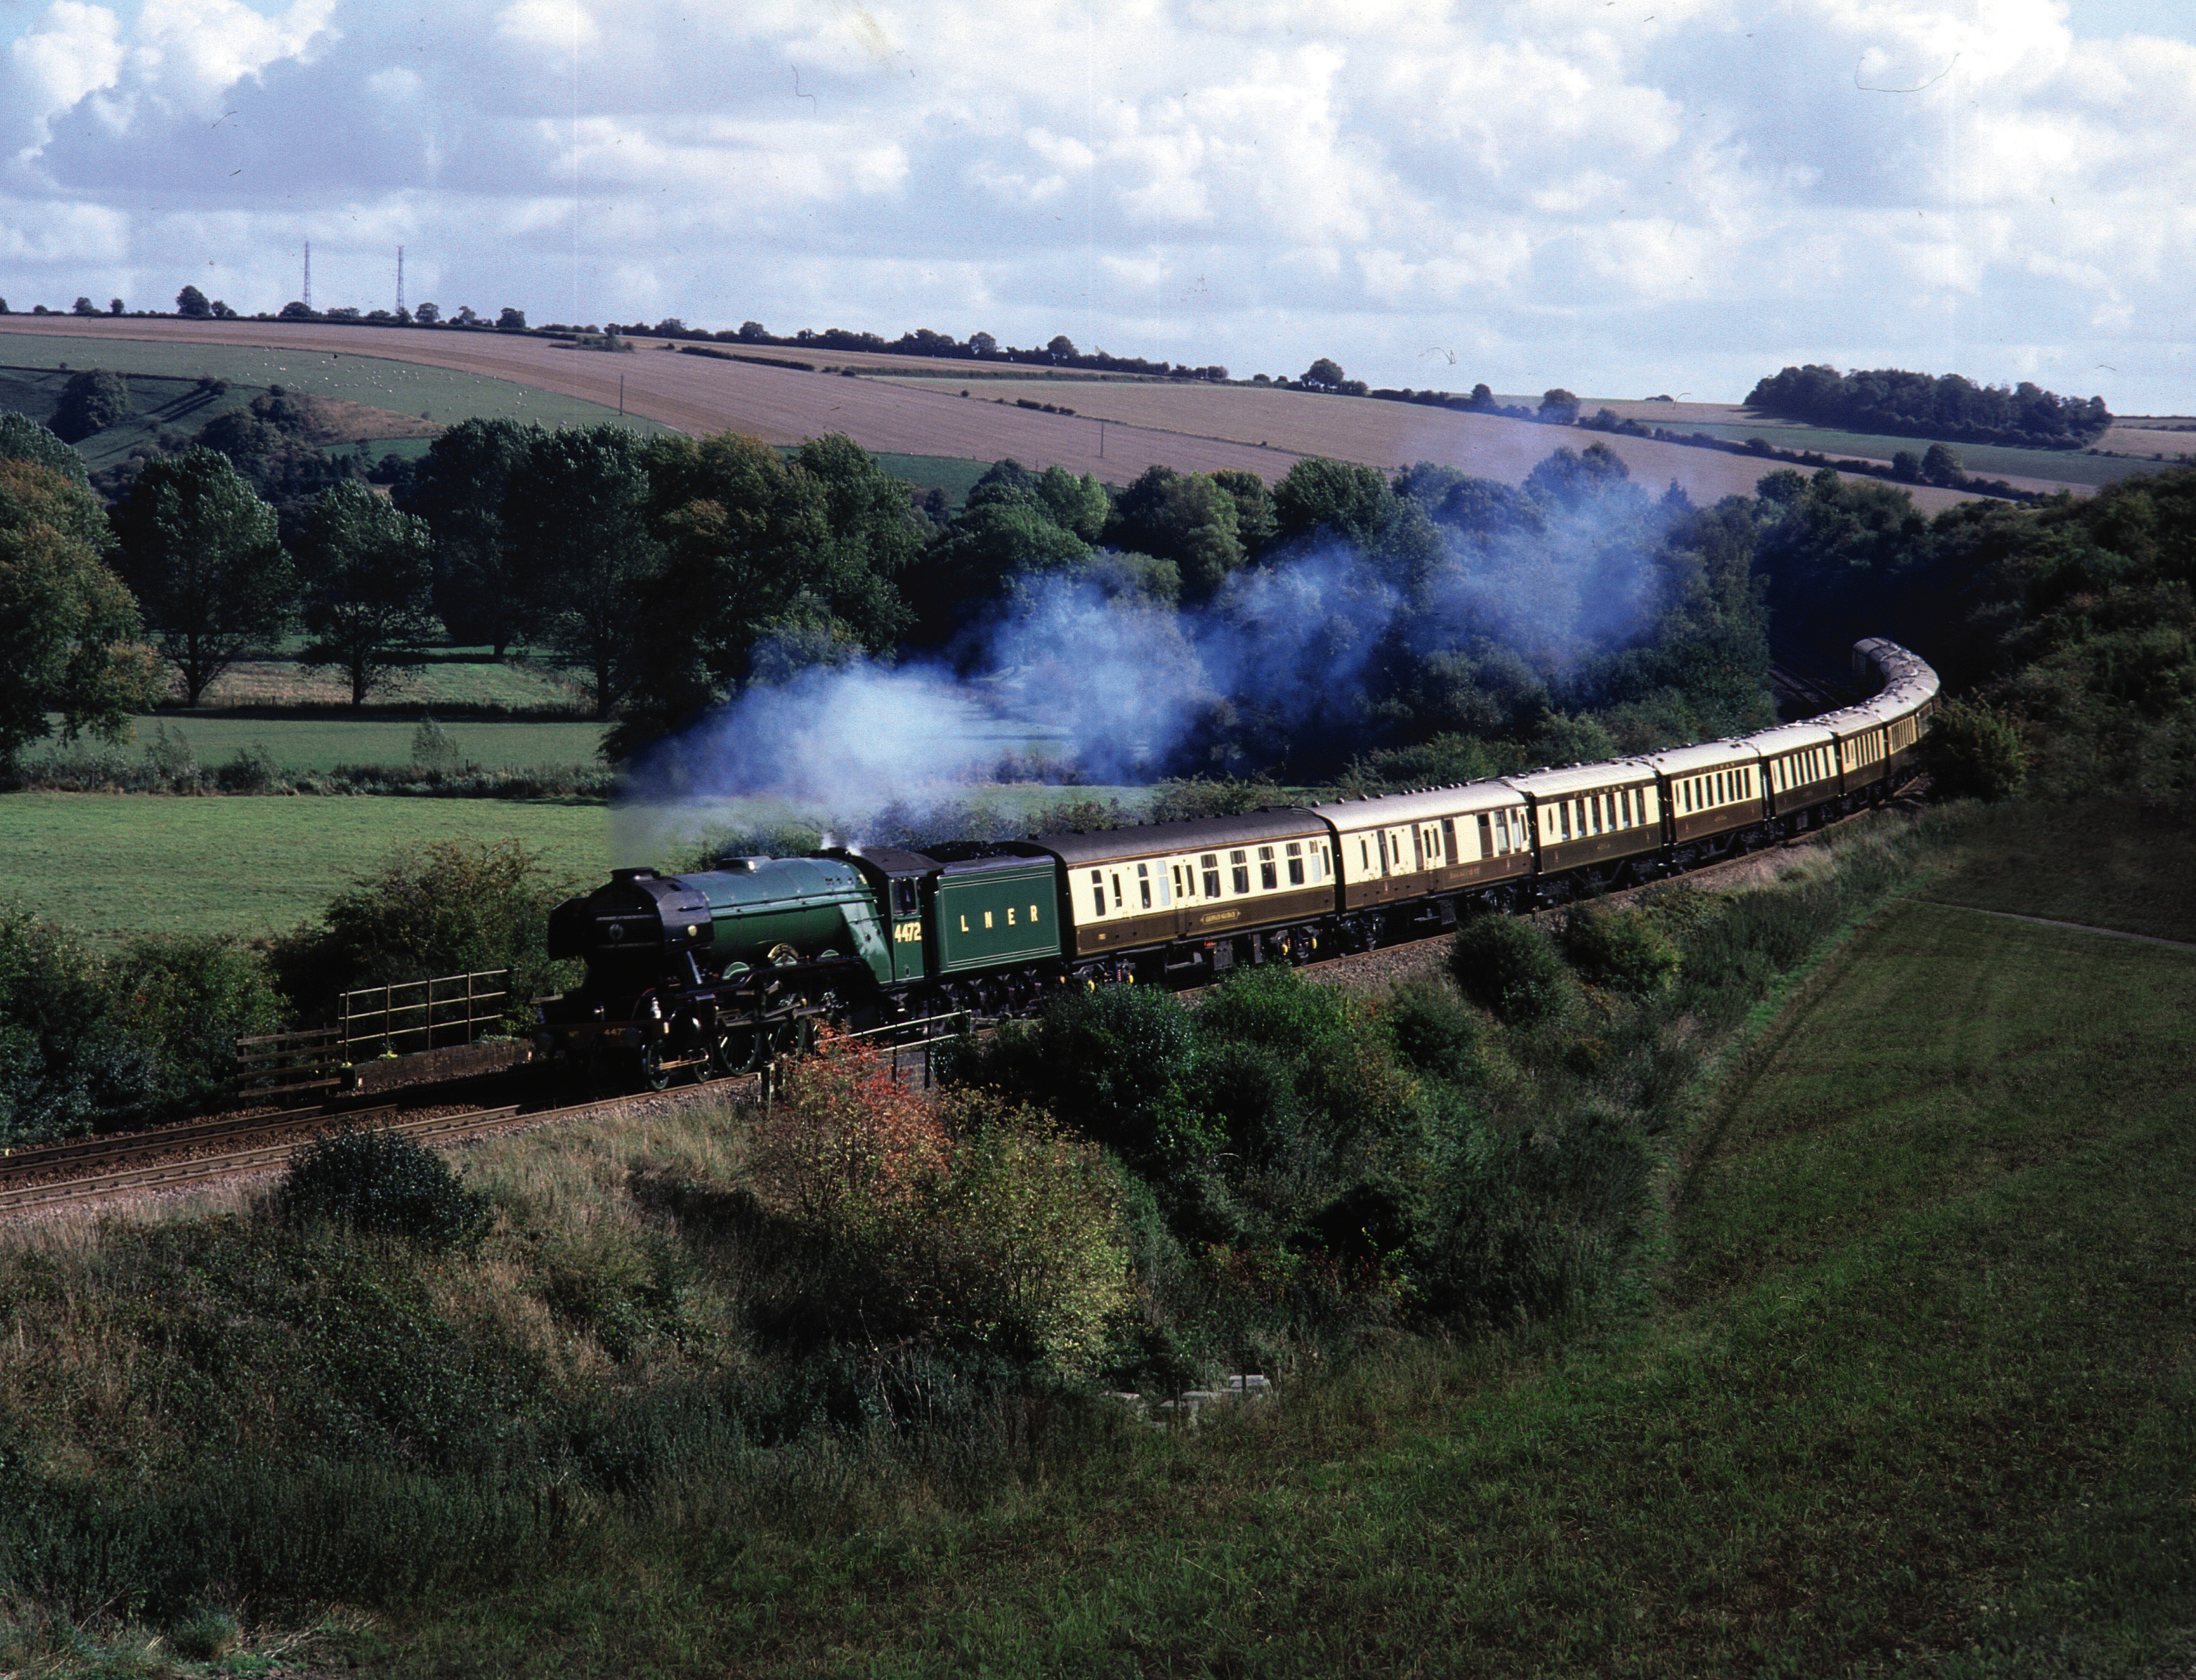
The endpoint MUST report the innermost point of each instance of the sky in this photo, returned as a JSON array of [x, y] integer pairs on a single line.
[[1626, 198]]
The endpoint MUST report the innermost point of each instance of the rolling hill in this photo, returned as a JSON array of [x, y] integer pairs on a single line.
[[892, 405]]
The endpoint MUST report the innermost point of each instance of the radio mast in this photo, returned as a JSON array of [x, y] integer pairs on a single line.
[[399, 280], [308, 299]]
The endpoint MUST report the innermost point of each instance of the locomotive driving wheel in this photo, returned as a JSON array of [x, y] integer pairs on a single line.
[[735, 1047]]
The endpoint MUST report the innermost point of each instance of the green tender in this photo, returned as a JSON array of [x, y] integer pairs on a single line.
[[996, 915]]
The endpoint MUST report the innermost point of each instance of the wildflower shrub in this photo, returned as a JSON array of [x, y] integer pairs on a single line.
[[971, 1223]]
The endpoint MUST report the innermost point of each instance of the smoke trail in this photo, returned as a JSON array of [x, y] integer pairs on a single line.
[[1290, 658]]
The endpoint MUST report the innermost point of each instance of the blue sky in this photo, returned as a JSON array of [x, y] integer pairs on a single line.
[[1624, 196]]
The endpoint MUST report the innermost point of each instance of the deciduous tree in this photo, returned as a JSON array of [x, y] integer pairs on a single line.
[[482, 591], [204, 555], [576, 513], [69, 632], [369, 579]]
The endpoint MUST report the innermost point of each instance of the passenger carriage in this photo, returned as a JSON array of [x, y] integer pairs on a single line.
[[1714, 799], [1803, 772], [1402, 848], [1594, 825], [1194, 888]]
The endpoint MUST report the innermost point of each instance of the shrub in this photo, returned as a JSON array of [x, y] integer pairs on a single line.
[[1973, 751], [1619, 948], [206, 1635], [1509, 967], [68, 1064], [251, 771], [191, 999], [449, 908], [1116, 1063], [434, 749], [976, 1222], [383, 1181], [1433, 1032]]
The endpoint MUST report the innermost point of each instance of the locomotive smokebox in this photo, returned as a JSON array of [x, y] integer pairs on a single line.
[[640, 913]]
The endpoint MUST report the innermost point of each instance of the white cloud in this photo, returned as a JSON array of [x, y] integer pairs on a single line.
[[1552, 191]]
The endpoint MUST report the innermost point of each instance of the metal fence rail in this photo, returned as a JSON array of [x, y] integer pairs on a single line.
[[422, 1014]]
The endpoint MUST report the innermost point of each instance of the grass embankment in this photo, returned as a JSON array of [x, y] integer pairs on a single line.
[[1919, 1397], [1914, 1393]]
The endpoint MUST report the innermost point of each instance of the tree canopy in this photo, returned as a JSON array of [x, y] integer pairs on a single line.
[[203, 556], [1916, 405], [369, 574], [69, 632]]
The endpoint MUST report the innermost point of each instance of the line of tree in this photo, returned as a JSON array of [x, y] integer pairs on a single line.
[[1919, 405]]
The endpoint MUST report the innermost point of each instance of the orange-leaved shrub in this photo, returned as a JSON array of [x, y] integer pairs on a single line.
[[952, 1216]]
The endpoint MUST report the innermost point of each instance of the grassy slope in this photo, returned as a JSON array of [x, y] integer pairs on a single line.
[[444, 395], [1919, 1395]]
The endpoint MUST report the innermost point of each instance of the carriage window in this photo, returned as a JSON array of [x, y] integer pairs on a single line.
[[903, 897], [1485, 836], [1365, 854], [1211, 862], [1318, 861], [1268, 877], [1144, 883], [1296, 864], [1117, 890], [1097, 893], [1240, 870], [1448, 840], [1179, 892], [1565, 807], [1166, 898]]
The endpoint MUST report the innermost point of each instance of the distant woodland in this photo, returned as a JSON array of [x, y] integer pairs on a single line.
[[1918, 405]]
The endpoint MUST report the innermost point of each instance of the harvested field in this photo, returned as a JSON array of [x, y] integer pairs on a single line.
[[1196, 428], [1393, 435], [702, 393]]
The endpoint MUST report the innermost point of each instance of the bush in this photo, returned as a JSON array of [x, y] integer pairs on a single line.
[[973, 1223], [1619, 948], [1434, 1031], [189, 1000], [449, 908], [385, 1182], [1971, 751], [1509, 967], [205, 1636], [68, 1063], [1115, 1063]]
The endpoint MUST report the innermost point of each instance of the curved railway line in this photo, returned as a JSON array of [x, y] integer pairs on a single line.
[[45, 1176]]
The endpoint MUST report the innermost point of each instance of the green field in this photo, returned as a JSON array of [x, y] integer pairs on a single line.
[[1987, 460], [112, 864], [952, 473], [320, 744], [1916, 1395], [442, 395]]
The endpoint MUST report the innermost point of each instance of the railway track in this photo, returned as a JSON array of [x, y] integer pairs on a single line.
[[48, 1176], [142, 1162]]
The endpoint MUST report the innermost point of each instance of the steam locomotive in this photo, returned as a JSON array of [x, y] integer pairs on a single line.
[[694, 976]]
